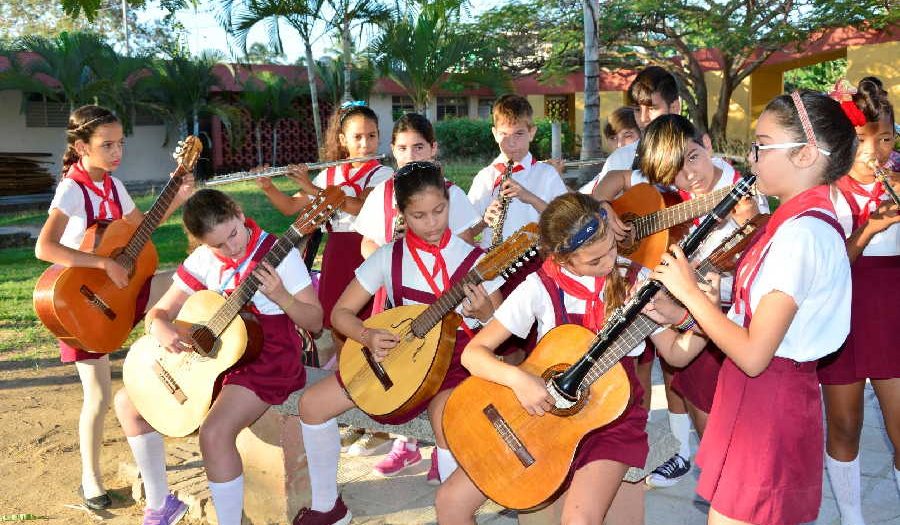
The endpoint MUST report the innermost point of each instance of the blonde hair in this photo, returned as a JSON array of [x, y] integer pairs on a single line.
[[662, 150], [513, 109]]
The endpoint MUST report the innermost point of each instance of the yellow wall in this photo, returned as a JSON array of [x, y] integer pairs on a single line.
[[880, 60], [537, 104], [738, 127], [765, 84]]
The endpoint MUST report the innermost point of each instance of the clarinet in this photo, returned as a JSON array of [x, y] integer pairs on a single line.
[[497, 237], [881, 175], [566, 386]]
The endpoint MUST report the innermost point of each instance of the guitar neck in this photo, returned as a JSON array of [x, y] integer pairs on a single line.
[[152, 218], [248, 288], [664, 219], [446, 303]]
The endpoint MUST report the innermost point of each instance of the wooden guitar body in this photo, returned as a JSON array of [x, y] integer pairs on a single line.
[[642, 200], [173, 391], [82, 306], [412, 372], [518, 460]]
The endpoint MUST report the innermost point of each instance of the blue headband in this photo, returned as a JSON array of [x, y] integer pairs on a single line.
[[591, 227]]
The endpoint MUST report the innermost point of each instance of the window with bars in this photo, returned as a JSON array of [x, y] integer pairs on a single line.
[[400, 105], [485, 105], [452, 107]]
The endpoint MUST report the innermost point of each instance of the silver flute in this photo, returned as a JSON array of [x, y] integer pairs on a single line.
[[584, 162], [882, 176], [240, 176]]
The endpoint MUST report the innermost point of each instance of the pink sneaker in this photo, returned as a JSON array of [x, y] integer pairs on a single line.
[[398, 459], [433, 477], [171, 513]]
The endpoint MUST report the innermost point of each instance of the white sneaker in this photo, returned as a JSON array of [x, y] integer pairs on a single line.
[[349, 436], [370, 444]]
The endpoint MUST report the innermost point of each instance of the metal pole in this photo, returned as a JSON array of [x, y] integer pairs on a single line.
[[125, 26], [556, 140]]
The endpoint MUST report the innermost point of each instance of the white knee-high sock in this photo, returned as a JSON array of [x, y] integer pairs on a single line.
[[897, 478], [446, 463], [228, 499], [96, 386], [845, 483], [680, 424], [150, 456], [323, 448]]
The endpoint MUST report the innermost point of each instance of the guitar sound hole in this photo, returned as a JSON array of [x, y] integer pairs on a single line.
[[204, 339]]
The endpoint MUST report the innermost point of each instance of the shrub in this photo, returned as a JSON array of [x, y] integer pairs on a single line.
[[471, 138]]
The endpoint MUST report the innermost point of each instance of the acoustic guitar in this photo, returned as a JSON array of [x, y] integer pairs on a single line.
[[521, 461], [658, 219], [173, 391], [413, 371], [82, 306]]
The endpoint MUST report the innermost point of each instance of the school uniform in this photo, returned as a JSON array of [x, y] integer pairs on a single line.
[[395, 267], [342, 250], [86, 203], [871, 347], [540, 300], [623, 158], [761, 456], [278, 370]]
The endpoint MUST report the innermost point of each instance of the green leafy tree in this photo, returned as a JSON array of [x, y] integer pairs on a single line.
[[359, 15], [259, 53], [817, 77], [331, 71], [269, 98]]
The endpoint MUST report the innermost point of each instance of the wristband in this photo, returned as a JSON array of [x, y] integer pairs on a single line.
[[686, 324], [687, 314]]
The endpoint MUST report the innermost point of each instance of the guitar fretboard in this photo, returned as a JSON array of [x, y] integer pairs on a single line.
[[647, 225], [152, 219], [448, 301]]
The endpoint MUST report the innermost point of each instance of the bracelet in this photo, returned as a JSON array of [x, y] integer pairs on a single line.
[[687, 313], [290, 303], [363, 334], [686, 324]]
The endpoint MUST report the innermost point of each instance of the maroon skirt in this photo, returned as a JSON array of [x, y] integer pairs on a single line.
[[278, 370], [761, 456], [340, 260], [625, 439], [456, 373], [697, 381], [871, 350], [70, 354]]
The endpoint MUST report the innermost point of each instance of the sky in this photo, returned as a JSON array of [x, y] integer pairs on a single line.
[[204, 32]]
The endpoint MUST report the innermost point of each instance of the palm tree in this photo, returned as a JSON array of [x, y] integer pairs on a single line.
[[590, 139], [269, 98], [425, 50], [331, 71], [302, 15], [355, 14]]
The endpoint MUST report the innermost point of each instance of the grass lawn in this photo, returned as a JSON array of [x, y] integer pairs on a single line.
[[20, 331]]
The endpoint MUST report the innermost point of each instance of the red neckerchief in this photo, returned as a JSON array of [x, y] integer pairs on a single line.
[[686, 196], [501, 169], [230, 264], [80, 175], [593, 308], [849, 187], [816, 197], [363, 170]]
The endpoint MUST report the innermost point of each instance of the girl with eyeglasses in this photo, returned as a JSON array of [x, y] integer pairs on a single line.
[[86, 194], [761, 456], [421, 266], [870, 221]]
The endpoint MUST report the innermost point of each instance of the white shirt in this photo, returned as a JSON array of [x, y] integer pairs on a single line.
[[530, 302], [884, 243], [808, 261], [343, 221], [370, 221], [375, 271], [206, 268], [69, 199], [620, 159], [538, 178]]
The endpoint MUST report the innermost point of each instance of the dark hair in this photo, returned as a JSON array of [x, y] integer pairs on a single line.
[[832, 129], [333, 148], [415, 177], [83, 122], [206, 209], [618, 120], [872, 100], [513, 108], [653, 79], [661, 150], [416, 123]]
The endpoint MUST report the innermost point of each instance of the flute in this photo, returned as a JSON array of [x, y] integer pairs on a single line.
[[881, 175], [241, 176], [584, 162]]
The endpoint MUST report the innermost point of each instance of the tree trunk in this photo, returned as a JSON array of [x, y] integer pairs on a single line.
[[313, 95], [720, 118], [345, 46], [590, 138], [259, 157]]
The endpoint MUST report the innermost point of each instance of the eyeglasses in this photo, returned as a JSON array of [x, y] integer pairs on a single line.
[[755, 147]]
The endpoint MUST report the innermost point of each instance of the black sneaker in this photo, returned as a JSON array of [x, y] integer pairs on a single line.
[[669, 473], [103, 501]]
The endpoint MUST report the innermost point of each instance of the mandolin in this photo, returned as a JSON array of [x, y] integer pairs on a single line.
[[413, 371], [82, 306], [521, 461], [173, 391]]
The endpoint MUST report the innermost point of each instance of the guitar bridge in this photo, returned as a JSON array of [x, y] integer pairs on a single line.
[[508, 436], [169, 382], [97, 302]]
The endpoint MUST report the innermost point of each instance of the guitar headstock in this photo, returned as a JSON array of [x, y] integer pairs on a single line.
[[725, 256], [320, 208], [186, 154], [511, 254]]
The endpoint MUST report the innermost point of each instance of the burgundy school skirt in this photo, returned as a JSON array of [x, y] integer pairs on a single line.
[[625, 439], [871, 350], [278, 370], [70, 354], [761, 456], [340, 260], [456, 373], [697, 381]]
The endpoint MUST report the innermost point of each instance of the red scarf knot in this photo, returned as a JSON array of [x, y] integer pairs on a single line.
[[365, 170], [78, 174], [594, 307], [229, 264]]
